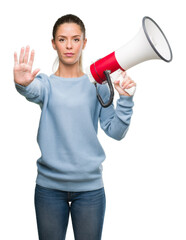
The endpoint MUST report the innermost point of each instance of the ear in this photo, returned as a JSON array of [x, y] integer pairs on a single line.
[[85, 42], [53, 44]]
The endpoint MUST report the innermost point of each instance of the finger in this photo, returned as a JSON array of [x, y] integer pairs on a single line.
[[31, 58], [125, 83], [126, 79], [124, 74], [26, 54], [130, 85], [35, 72], [15, 59], [21, 57]]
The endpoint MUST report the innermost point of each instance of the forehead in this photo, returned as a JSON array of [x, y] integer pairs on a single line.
[[69, 29]]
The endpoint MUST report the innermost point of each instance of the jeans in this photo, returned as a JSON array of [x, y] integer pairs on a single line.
[[53, 207]]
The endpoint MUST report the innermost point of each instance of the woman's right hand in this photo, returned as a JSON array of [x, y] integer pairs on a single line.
[[23, 74]]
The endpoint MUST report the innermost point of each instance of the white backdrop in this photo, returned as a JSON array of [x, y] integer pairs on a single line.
[[145, 173]]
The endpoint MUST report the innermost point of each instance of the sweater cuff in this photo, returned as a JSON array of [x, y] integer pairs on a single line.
[[126, 100], [29, 88], [25, 88]]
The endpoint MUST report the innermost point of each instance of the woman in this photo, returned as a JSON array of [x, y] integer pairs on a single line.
[[69, 176]]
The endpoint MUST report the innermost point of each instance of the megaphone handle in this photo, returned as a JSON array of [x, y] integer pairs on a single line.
[[107, 75]]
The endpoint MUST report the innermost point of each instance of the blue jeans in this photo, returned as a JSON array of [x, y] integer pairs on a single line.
[[53, 207]]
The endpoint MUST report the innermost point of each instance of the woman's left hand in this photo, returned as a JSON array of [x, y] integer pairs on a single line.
[[126, 84]]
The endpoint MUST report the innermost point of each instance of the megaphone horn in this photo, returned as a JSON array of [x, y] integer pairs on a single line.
[[149, 43]]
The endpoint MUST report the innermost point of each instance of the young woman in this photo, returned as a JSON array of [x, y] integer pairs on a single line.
[[69, 179]]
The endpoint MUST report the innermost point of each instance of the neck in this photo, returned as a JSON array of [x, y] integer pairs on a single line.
[[69, 71]]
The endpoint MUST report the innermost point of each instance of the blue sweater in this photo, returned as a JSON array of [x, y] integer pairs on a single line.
[[71, 154]]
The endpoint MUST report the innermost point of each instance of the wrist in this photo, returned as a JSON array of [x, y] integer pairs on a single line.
[[123, 94]]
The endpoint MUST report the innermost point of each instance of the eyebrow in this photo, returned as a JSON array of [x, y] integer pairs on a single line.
[[66, 36]]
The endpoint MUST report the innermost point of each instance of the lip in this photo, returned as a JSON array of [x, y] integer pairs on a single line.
[[69, 54]]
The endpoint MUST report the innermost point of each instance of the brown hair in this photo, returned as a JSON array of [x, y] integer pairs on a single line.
[[69, 18]]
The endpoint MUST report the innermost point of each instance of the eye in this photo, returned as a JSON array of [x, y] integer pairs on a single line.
[[61, 40], [76, 40]]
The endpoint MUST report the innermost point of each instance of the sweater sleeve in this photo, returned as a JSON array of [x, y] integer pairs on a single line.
[[36, 90], [115, 121]]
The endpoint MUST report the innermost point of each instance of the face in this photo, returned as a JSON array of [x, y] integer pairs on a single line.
[[69, 42]]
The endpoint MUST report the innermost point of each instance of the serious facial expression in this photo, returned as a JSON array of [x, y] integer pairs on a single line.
[[69, 42]]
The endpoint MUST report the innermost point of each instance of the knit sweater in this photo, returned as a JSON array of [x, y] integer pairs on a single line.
[[71, 154]]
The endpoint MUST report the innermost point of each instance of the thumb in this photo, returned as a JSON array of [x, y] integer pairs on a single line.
[[35, 72]]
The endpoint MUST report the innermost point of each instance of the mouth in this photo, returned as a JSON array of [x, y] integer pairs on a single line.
[[69, 54]]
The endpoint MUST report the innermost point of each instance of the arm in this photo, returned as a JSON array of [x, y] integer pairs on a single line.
[[115, 122], [35, 91]]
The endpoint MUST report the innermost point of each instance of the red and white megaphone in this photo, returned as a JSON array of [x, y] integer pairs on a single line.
[[149, 43]]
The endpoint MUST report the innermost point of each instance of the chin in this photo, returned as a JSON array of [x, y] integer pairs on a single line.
[[69, 61]]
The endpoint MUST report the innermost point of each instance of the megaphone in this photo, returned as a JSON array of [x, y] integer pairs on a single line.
[[149, 43]]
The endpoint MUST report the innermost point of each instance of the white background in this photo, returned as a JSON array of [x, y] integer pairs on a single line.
[[145, 173]]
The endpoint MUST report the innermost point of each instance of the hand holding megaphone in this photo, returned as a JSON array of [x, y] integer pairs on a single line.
[[123, 83]]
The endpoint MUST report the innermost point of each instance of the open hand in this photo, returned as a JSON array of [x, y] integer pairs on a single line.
[[23, 74]]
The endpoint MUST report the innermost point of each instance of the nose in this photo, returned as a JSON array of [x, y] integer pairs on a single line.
[[69, 44]]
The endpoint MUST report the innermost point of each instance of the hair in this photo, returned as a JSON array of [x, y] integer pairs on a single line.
[[69, 18]]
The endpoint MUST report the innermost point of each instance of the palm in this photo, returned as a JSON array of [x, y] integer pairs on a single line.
[[23, 69], [22, 73]]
